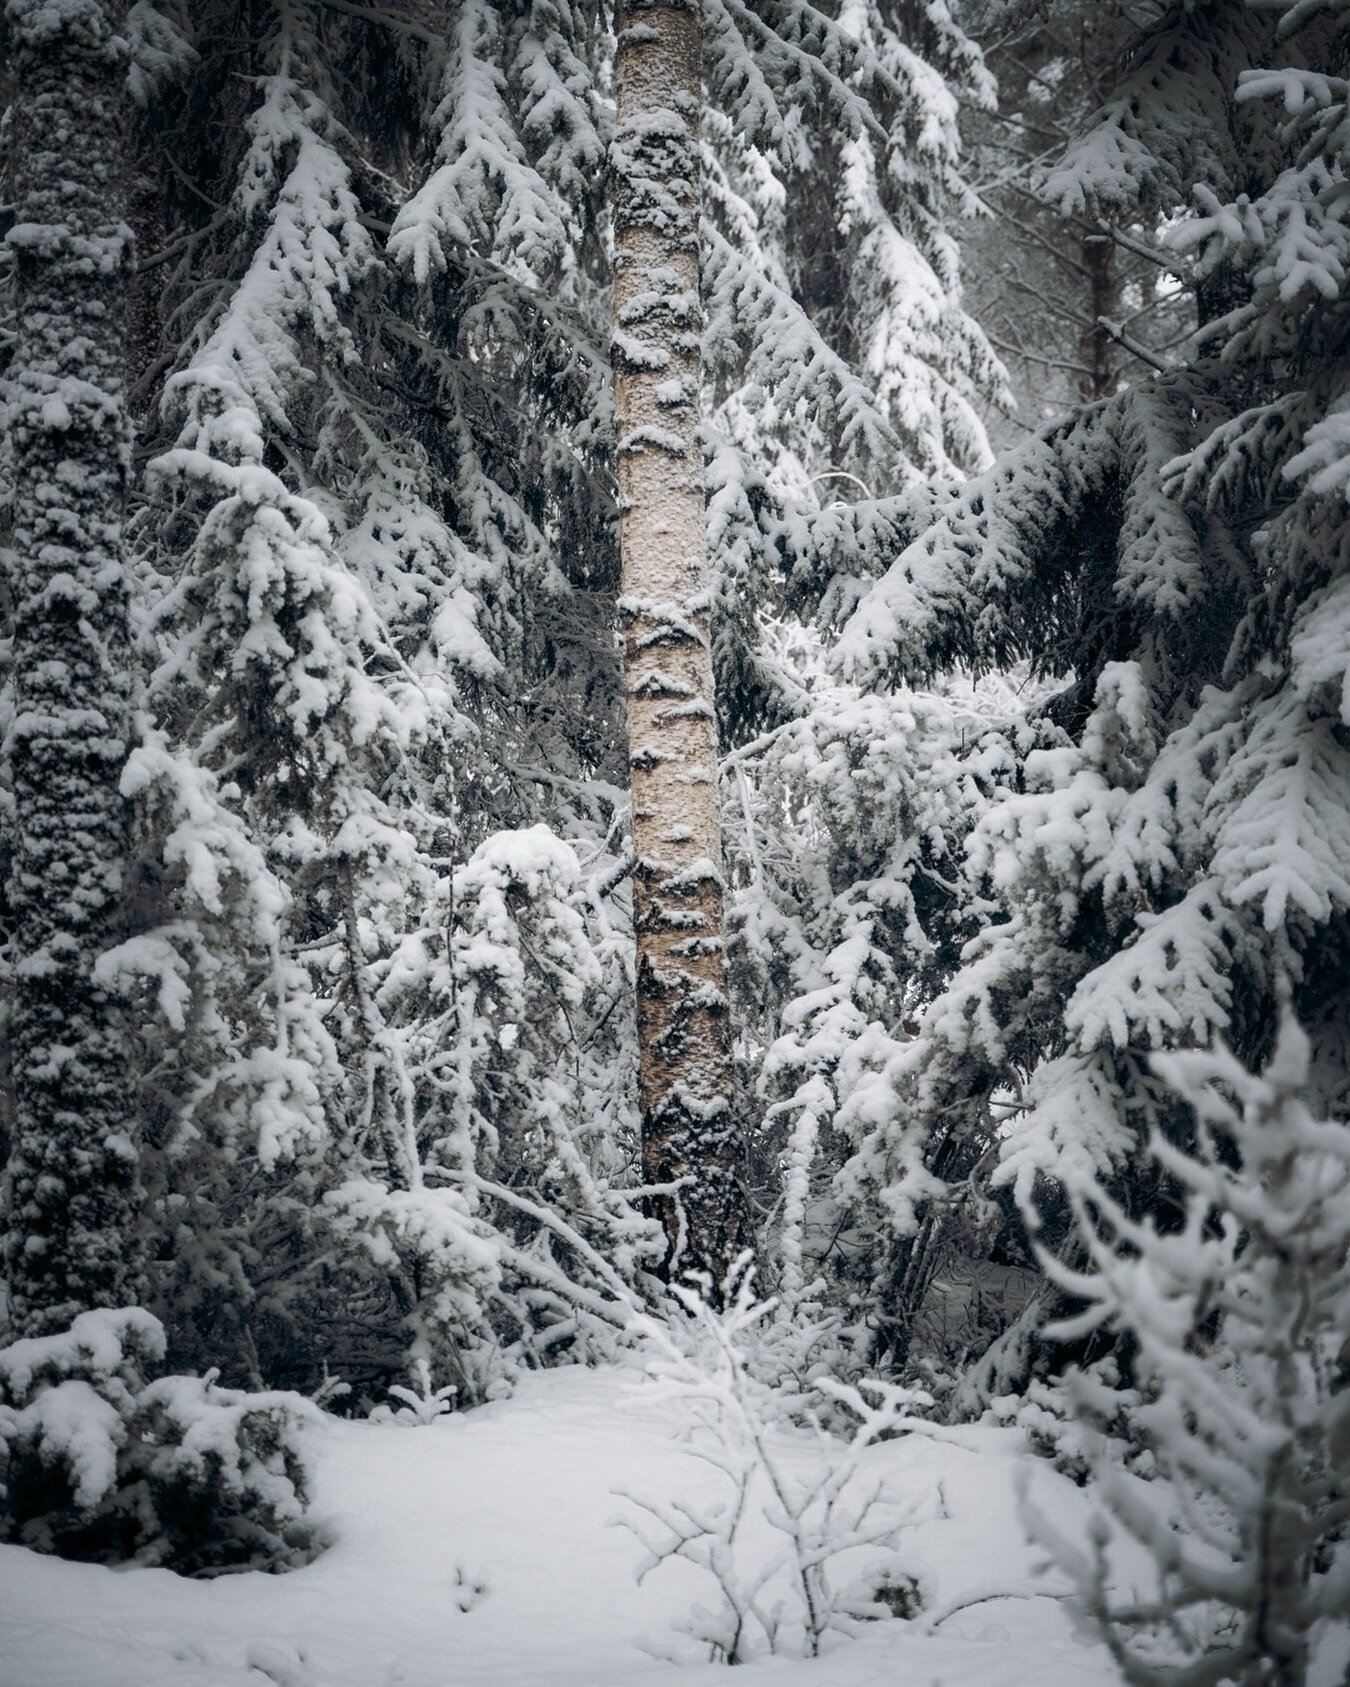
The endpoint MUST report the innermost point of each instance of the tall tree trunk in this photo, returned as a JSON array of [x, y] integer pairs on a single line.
[[145, 213], [1099, 376], [72, 1240], [685, 1075]]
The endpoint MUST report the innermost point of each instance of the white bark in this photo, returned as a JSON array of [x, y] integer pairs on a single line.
[[685, 1068]]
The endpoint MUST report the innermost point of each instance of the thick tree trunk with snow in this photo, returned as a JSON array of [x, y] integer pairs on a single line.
[[689, 1126], [72, 1241]]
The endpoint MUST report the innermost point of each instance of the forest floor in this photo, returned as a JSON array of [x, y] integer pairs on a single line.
[[482, 1551]]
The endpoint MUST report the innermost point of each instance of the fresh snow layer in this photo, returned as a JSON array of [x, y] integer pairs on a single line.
[[482, 1551]]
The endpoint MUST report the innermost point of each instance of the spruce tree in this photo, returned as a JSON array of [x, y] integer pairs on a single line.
[[1166, 862], [847, 379]]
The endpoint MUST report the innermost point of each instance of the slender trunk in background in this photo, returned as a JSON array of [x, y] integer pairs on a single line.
[[73, 1241], [145, 329], [1099, 377], [685, 1074]]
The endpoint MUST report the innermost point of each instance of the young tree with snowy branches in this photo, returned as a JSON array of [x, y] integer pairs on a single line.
[[1238, 1318]]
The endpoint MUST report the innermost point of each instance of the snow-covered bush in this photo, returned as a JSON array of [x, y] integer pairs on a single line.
[[513, 1229], [771, 1537], [1069, 1422], [1238, 1320], [97, 1463]]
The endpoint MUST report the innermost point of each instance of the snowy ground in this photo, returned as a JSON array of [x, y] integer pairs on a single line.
[[480, 1551]]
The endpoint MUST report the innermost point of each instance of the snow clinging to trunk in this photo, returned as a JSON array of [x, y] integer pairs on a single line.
[[689, 1127]]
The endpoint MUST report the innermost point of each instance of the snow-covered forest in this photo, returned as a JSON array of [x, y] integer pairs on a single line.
[[675, 842]]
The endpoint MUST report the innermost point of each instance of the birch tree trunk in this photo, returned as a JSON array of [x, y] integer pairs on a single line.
[[689, 1127], [73, 1230]]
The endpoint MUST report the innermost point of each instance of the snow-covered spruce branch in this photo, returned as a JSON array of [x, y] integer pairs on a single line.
[[625, 1304]]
